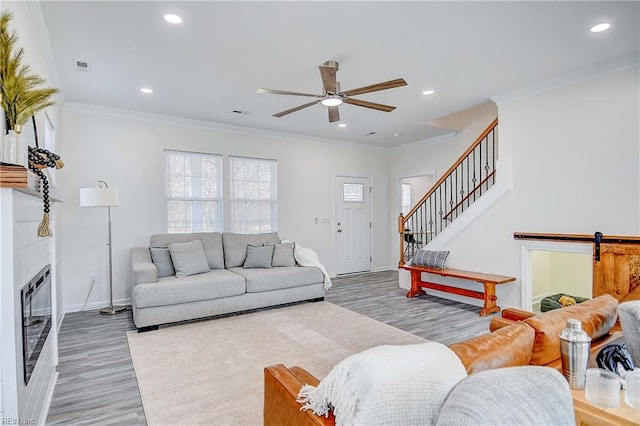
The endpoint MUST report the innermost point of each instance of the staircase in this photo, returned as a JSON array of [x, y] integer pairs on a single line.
[[460, 186]]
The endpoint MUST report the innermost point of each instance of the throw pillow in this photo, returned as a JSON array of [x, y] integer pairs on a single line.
[[431, 259], [418, 376], [258, 257], [283, 254], [161, 257], [188, 258]]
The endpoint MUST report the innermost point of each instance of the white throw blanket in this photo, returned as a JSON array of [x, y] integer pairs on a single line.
[[307, 257], [387, 385]]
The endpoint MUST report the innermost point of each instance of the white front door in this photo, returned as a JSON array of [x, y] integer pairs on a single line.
[[353, 225]]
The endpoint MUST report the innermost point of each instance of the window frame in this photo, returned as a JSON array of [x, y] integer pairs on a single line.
[[272, 200], [218, 224]]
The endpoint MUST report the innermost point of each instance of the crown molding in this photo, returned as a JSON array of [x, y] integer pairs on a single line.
[[34, 13], [210, 125], [425, 142], [586, 74]]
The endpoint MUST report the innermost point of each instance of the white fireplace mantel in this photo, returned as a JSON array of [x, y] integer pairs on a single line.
[[23, 254]]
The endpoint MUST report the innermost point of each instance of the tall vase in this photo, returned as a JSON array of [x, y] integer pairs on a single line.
[[10, 148], [14, 151]]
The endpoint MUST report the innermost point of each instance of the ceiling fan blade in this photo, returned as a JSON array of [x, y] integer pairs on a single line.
[[376, 87], [367, 104], [298, 108], [328, 78], [334, 114], [284, 92]]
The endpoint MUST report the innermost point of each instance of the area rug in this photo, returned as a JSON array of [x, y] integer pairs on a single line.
[[211, 372]]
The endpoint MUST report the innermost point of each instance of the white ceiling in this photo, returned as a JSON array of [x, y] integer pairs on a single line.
[[215, 60]]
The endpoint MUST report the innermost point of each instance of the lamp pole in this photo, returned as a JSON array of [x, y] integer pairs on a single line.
[[110, 310]]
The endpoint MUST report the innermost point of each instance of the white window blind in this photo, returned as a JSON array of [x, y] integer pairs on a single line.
[[193, 192], [253, 195]]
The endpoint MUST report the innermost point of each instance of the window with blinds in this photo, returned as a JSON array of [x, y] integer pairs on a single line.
[[253, 195], [193, 192]]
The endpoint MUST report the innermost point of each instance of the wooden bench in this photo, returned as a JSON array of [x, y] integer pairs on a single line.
[[489, 282]]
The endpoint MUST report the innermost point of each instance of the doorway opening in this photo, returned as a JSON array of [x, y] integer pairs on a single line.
[[549, 268]]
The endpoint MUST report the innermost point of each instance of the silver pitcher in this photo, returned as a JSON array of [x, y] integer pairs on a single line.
[[575, 344]]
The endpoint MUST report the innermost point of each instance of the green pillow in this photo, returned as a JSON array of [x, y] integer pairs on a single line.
[[258, 257], [188, 258], [283, 254], [161, 257]]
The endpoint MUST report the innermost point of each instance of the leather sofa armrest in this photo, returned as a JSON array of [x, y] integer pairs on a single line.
[[515, 314], [281, 387], [498, 322], [142, 268]]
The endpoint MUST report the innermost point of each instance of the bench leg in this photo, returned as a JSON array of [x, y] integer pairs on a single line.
[[416, 290], [490, 299]]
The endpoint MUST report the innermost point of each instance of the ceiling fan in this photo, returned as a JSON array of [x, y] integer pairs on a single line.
[[332, 96]]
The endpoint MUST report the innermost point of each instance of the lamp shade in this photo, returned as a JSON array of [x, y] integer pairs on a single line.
[[98, 197]]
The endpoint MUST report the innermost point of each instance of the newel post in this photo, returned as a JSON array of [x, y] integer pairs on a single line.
[[401, 232]]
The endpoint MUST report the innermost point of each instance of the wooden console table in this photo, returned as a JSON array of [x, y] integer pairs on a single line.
[[489, 282], [589, 414]]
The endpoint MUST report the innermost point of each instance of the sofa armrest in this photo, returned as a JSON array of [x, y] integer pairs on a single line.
[[281, 387], [515, 314], [142, 268], [498, 322]]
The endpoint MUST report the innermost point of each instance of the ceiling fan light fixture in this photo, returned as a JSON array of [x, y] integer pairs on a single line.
[[600, 27], [331, 100], [172, 18]]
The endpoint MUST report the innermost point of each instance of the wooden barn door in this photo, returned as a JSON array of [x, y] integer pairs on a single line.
[[618, 271]]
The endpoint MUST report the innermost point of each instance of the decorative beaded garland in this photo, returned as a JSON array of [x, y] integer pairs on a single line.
[[39, 157]]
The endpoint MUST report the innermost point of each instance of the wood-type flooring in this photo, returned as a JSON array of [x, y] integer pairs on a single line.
[[97, 384]]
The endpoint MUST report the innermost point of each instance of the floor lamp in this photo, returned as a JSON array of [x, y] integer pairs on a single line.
[[103, 196]]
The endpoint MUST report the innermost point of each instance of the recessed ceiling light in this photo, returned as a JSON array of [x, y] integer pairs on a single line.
[[172, 19], [146, 91], [429, 92], [342, 125], [600, 27]]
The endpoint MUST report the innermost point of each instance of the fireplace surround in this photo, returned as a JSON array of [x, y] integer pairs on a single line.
[[36, 318]]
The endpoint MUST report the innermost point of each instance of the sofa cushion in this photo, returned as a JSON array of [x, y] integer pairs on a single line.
[[215, 284], [161, 257], [235, 246], [188, 258], [283, 255], [597, 315], [211, 241], [507, 347], [525, 395], [278, 278], [258, 256]]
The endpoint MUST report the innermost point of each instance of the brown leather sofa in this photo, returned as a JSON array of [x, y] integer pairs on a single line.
[[516, 338]]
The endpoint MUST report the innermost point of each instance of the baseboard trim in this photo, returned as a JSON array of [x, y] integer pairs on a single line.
[[47, 403]]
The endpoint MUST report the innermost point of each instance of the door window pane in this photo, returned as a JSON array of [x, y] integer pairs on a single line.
[[353, 192]]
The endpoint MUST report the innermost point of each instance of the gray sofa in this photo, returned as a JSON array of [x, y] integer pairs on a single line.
[[170, 285]]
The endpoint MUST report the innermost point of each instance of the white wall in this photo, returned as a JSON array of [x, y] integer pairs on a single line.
[[126, 150], [32, 400], [30, 31], [432, 157], [575, 154]]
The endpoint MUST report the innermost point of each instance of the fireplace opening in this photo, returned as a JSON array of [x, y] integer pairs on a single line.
[[36, 318]]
